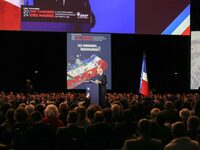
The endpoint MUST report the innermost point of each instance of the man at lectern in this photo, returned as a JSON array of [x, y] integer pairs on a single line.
[[102, 81]]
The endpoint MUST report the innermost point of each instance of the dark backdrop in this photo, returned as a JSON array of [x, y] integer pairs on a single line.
[[23, 53]]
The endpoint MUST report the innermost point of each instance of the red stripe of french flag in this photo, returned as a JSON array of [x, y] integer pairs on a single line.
[[144, 85]]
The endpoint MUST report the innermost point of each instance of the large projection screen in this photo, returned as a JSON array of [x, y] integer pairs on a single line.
[[168, 17], [195, 60], [85, 53]]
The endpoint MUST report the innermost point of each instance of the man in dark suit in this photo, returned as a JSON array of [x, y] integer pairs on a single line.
[[102, 81], [143, 142], [71, 136]]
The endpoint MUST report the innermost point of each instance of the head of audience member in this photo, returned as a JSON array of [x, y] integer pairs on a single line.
[[40, 108], [118, 102], [184, 114], [99, 117], [91, 111], [161, 118], [169, 105], [30, 108], [73, 105], [193, 123], [22, 105], [144, 127], [10, 115], [107, 114], [4, 107], [154, 112], [81, 113], [32, 102], [178, 129], [72, 117], [128, 116], [116, 109], [35, 117], [21, 115], [51, 111], [63, 107]]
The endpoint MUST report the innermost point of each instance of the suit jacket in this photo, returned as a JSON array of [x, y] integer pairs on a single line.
[[40, 136], [99, 136], [142, 144], [102, 90], [71, 137], [182, 143]]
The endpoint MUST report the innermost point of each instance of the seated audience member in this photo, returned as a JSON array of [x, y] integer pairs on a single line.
[[91, 111], [99, 133], [164, 129], [63, 111], [181, 141], [71, 137], [184, 114], [83, 121], [125, 130], [170, 112], [143, 142], [154, 132], [30, 108], [193, 126], [5, 128], [40, 108], [3, 109], [19, 129], [108, 117], [39, 135], [197, 107], [51, 116], [117, 113]]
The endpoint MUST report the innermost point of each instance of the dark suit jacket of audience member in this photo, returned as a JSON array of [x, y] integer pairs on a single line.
[[71, 137], [99, 136], [40, 136], [143, 144], [18, 133]]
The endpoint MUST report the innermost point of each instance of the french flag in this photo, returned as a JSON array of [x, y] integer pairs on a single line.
[[10, 14], [144, 86]]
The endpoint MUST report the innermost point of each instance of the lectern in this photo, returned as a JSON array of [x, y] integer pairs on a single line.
[[93, 88]]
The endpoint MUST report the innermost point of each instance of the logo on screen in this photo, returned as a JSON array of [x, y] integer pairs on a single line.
[[26, 13], [82, 16]]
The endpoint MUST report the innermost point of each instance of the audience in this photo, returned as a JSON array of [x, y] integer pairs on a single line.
[[53, 121]]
